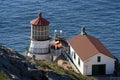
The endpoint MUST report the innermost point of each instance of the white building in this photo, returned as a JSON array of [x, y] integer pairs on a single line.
[[39, 46], [90, 56], [59, 45]]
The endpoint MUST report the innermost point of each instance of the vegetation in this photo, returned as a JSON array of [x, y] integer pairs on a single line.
[[46, 65], [14, 66], [3, 76]]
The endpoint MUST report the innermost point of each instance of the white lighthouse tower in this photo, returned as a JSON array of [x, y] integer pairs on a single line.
[[39, 46]]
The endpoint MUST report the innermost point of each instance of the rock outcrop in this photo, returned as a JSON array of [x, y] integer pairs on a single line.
[[15, 66]]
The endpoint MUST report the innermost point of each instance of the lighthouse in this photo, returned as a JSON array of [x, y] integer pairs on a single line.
[[39, 45]]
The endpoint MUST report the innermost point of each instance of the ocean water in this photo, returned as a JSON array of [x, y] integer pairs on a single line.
[[100, 17]]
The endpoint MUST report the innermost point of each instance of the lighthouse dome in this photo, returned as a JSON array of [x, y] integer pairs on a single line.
[[40, 21]]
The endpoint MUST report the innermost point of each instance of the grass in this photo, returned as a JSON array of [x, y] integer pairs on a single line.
[[3, 76], [54, 67], [51, 66]]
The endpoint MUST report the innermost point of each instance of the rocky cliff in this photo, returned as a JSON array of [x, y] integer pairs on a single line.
[[14, 66]]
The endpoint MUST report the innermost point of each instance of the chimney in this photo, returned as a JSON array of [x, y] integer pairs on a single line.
[[83, 31]]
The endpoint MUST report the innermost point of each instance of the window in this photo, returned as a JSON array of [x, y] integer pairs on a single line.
[[74, 55], [78, 61], [98, 58], [69, 50], [42, 28]]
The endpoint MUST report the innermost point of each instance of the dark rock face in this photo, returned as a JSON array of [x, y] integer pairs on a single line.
[[54, 76], [16, 67]]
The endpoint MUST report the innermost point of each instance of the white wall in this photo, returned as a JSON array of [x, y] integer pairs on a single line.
[[39, 46], [93, 61], [41, 56], [81, 67], [86, 66]]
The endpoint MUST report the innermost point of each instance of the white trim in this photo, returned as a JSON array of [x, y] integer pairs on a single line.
[[39, 46], [95, 55]]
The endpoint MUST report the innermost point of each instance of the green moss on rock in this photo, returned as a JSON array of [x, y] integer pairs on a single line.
[[3, 76]]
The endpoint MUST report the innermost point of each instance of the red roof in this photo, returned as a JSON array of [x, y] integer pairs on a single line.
[[87, 46], [56, 44], [40, 21]]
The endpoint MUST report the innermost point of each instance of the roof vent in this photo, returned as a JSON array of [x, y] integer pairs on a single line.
[[83, 31]]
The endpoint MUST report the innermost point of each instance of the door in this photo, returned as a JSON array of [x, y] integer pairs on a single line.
[[98, 69]]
